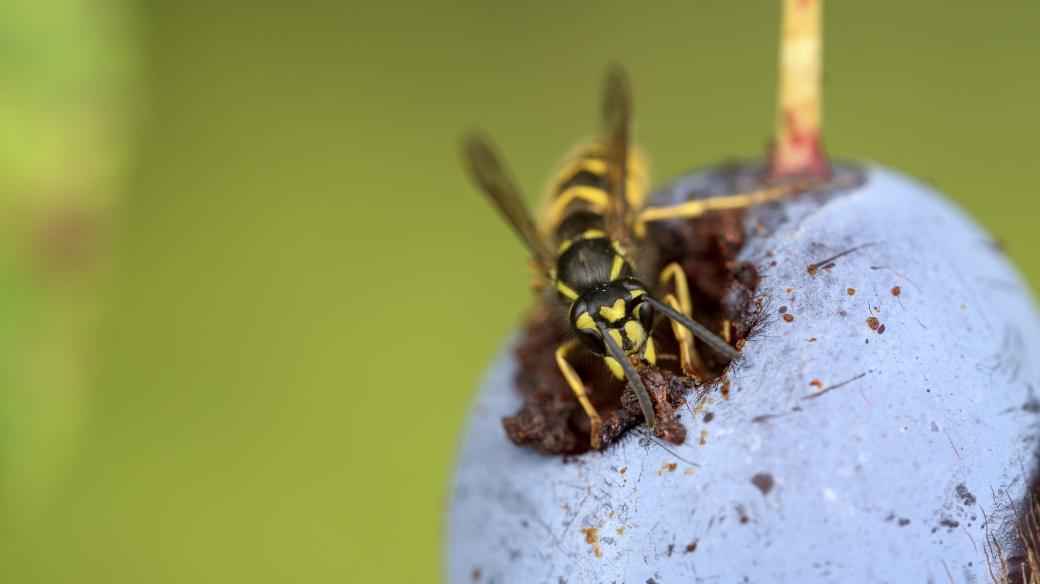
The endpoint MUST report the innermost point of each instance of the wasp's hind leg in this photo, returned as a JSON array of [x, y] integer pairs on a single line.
[[698, 207], [680, 300], [578, 387]]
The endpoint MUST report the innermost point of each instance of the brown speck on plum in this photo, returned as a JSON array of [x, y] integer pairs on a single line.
[[666, 466], [816, 383], [966, 497], [782, 309], [763, 481], [881, 330], [477, 574], [850, 291], [592, 538], [811, 270], [709, 416], [704, 437], [896, 291], [691, 547], [623, 470], [789, 290], [811, 340], [903, 522], [724, 390], [873, 323], [788, 317], [772, 263]]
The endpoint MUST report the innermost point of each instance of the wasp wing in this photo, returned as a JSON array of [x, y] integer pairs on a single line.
[[488, 171], [617, 120]]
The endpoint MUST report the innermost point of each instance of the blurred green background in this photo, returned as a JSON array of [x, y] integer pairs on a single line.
[[259, 369]]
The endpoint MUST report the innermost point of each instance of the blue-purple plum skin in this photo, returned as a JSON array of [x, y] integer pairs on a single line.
[[848, 450]]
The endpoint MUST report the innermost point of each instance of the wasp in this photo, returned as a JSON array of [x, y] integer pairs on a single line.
[[584, 251]]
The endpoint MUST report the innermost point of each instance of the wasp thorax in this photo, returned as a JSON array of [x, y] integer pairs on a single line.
[[618, 306]]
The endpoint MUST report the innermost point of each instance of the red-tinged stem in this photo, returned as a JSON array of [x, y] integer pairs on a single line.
[[798, 151]]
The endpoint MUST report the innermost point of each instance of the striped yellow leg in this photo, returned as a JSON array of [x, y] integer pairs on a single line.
[[680, 300], [578, 387], [698, 207]]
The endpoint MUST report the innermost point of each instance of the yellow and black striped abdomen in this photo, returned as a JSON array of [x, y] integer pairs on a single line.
[[581, 185]]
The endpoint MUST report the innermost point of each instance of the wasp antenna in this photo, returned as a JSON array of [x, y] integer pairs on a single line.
[[698, 330], [631, 374]]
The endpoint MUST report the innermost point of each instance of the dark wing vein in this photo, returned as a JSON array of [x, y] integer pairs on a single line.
[[617, 115], [491, 175]]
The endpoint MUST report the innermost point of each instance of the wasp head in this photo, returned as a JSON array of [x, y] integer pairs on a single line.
[[620, 308]]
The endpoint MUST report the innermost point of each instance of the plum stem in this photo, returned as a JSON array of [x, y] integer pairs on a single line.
[[798, 151]]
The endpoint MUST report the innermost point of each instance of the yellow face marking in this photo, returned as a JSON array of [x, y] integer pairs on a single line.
[[566, 290], [649, 352], [615, 367], [616, 335], [585, 322], [636, 294], [615, 268], [634, 332], [613, 313], [564, 246]]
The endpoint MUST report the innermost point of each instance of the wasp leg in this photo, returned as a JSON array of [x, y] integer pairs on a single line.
[[698, 207], [688, 356], [578, 388]]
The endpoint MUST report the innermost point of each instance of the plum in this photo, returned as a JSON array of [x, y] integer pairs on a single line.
[[881, 426]]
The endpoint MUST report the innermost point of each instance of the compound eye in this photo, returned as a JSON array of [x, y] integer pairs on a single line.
[[644, 313], [593, 341]]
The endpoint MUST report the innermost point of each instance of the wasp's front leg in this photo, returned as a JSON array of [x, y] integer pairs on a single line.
[[680, 300], [578, 387]]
